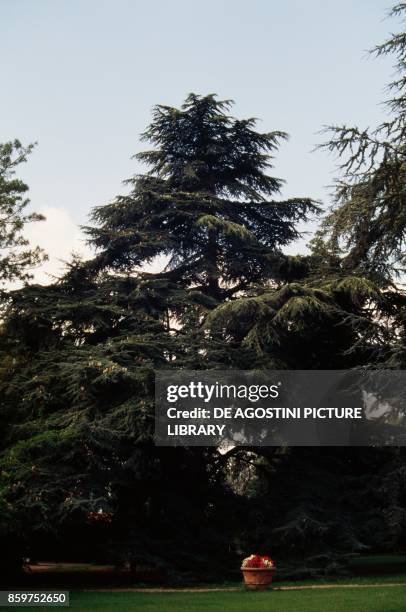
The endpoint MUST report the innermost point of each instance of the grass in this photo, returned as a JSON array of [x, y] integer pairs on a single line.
[[369, 579], [362, 599]]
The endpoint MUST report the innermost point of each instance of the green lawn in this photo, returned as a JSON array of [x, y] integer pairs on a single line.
[[382, 599], [355, 599]]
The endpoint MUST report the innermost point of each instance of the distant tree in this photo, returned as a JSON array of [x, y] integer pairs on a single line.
[[17, 258]]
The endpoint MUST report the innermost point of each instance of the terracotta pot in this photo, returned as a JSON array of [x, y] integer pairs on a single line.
[[258, 578]]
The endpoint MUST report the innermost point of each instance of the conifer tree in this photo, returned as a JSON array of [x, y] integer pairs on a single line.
[[206, 203], [347, 312], [78, 356], [367, 224]]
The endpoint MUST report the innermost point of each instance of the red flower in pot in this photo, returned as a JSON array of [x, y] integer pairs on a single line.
[[258, 571]]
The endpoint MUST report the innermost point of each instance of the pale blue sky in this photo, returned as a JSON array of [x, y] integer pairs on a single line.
[[81, 76]]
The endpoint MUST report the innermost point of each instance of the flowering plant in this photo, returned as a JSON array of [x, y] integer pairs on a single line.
[[258, 562]]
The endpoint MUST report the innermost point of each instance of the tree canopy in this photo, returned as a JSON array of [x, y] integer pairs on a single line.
[[367, 224], [77, 357]]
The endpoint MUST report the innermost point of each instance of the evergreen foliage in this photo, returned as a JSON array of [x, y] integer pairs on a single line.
[[368, 221], [205, 203], [77, 357]]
